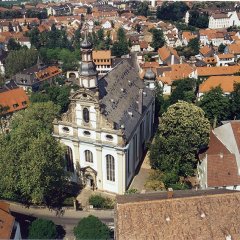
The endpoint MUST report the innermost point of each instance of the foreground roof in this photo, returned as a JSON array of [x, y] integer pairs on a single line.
[[195, 215]]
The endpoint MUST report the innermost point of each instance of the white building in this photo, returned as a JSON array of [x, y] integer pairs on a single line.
[[107, 126], [223, 20], [219, 166]]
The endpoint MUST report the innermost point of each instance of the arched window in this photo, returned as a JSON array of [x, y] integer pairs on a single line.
[[88, 156], [69, 159], [110, 168], [86, 115]]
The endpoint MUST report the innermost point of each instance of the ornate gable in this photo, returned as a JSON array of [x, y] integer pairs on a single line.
[[85, 96]]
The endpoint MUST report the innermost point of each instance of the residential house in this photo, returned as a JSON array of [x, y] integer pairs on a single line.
[[33, 77], [225, 82], [10, 228], [102, 60], [206, 51], [225, 59], [188, 214], [168, 56], [205, 72], [60, 10], [107, 126], [172, 40], [223, 20], [135, 45], [219, 165], [187, 36], [233, 49], [166, 75]]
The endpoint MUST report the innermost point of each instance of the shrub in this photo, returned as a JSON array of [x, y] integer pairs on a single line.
[[131, 191], [42, 229], [68, 201], [98, 201], [91, 228]]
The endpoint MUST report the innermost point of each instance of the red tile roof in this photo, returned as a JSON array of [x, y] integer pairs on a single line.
[[15, 99], [225, 82], [6, 221]]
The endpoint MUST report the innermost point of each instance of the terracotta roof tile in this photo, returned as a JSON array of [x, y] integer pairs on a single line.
[[6, 221], [48, 73], [200, 216], [13, 97], [225, 82], [217, 71], [222, 56], [205, 50]]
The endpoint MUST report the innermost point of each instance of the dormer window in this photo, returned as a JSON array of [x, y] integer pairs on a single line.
[[86, 115], [15, 105], [24, 103]]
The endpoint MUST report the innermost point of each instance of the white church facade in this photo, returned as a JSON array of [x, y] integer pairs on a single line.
[[107, 126]]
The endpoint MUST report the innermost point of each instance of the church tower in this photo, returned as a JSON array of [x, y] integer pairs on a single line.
[[88, 74]]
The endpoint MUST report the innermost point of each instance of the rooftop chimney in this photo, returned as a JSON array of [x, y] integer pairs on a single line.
[[170, 193]]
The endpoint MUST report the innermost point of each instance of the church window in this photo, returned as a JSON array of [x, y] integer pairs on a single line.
[[86, 115], [69, 159], [87, 133], [110, 168], [88, 156], [109, 137], [65, 129]]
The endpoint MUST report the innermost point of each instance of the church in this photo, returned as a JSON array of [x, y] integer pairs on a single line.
[[107, 126]]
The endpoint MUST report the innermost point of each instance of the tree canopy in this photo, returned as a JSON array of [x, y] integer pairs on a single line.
[[42, 229], [183, 131], [157, 39], [198, 19], [120, 47], [57, 94], [174, 11], [143, 9], [215, 105], [32, 165], [17, 61], [91, 228]]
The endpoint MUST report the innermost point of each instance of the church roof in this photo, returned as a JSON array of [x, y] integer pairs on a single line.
[[120, 97]]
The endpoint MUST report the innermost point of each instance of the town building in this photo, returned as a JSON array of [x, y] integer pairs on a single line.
[[219, 165], [223, 20], [225, 82], [102, 60], [188, 214], [9, 227], [107, 126], [35, 76]]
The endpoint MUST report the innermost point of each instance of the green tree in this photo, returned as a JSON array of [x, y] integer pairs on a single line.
[[121, 46], [174, 11], [183, 131], [215, 105], [57, 94], [42, 229], [194, 45], [13, 45], [157, 39], [221, 48], [143, 9], [183, 89], [235, 101], [32, 166], [16, 61], [91, 228], [198, 19]]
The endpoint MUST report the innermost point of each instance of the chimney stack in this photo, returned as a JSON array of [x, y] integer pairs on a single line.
[[172, 59], [140, 101], [170, 193]]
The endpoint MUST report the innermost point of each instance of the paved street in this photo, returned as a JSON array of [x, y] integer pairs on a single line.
[[68, 220]]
